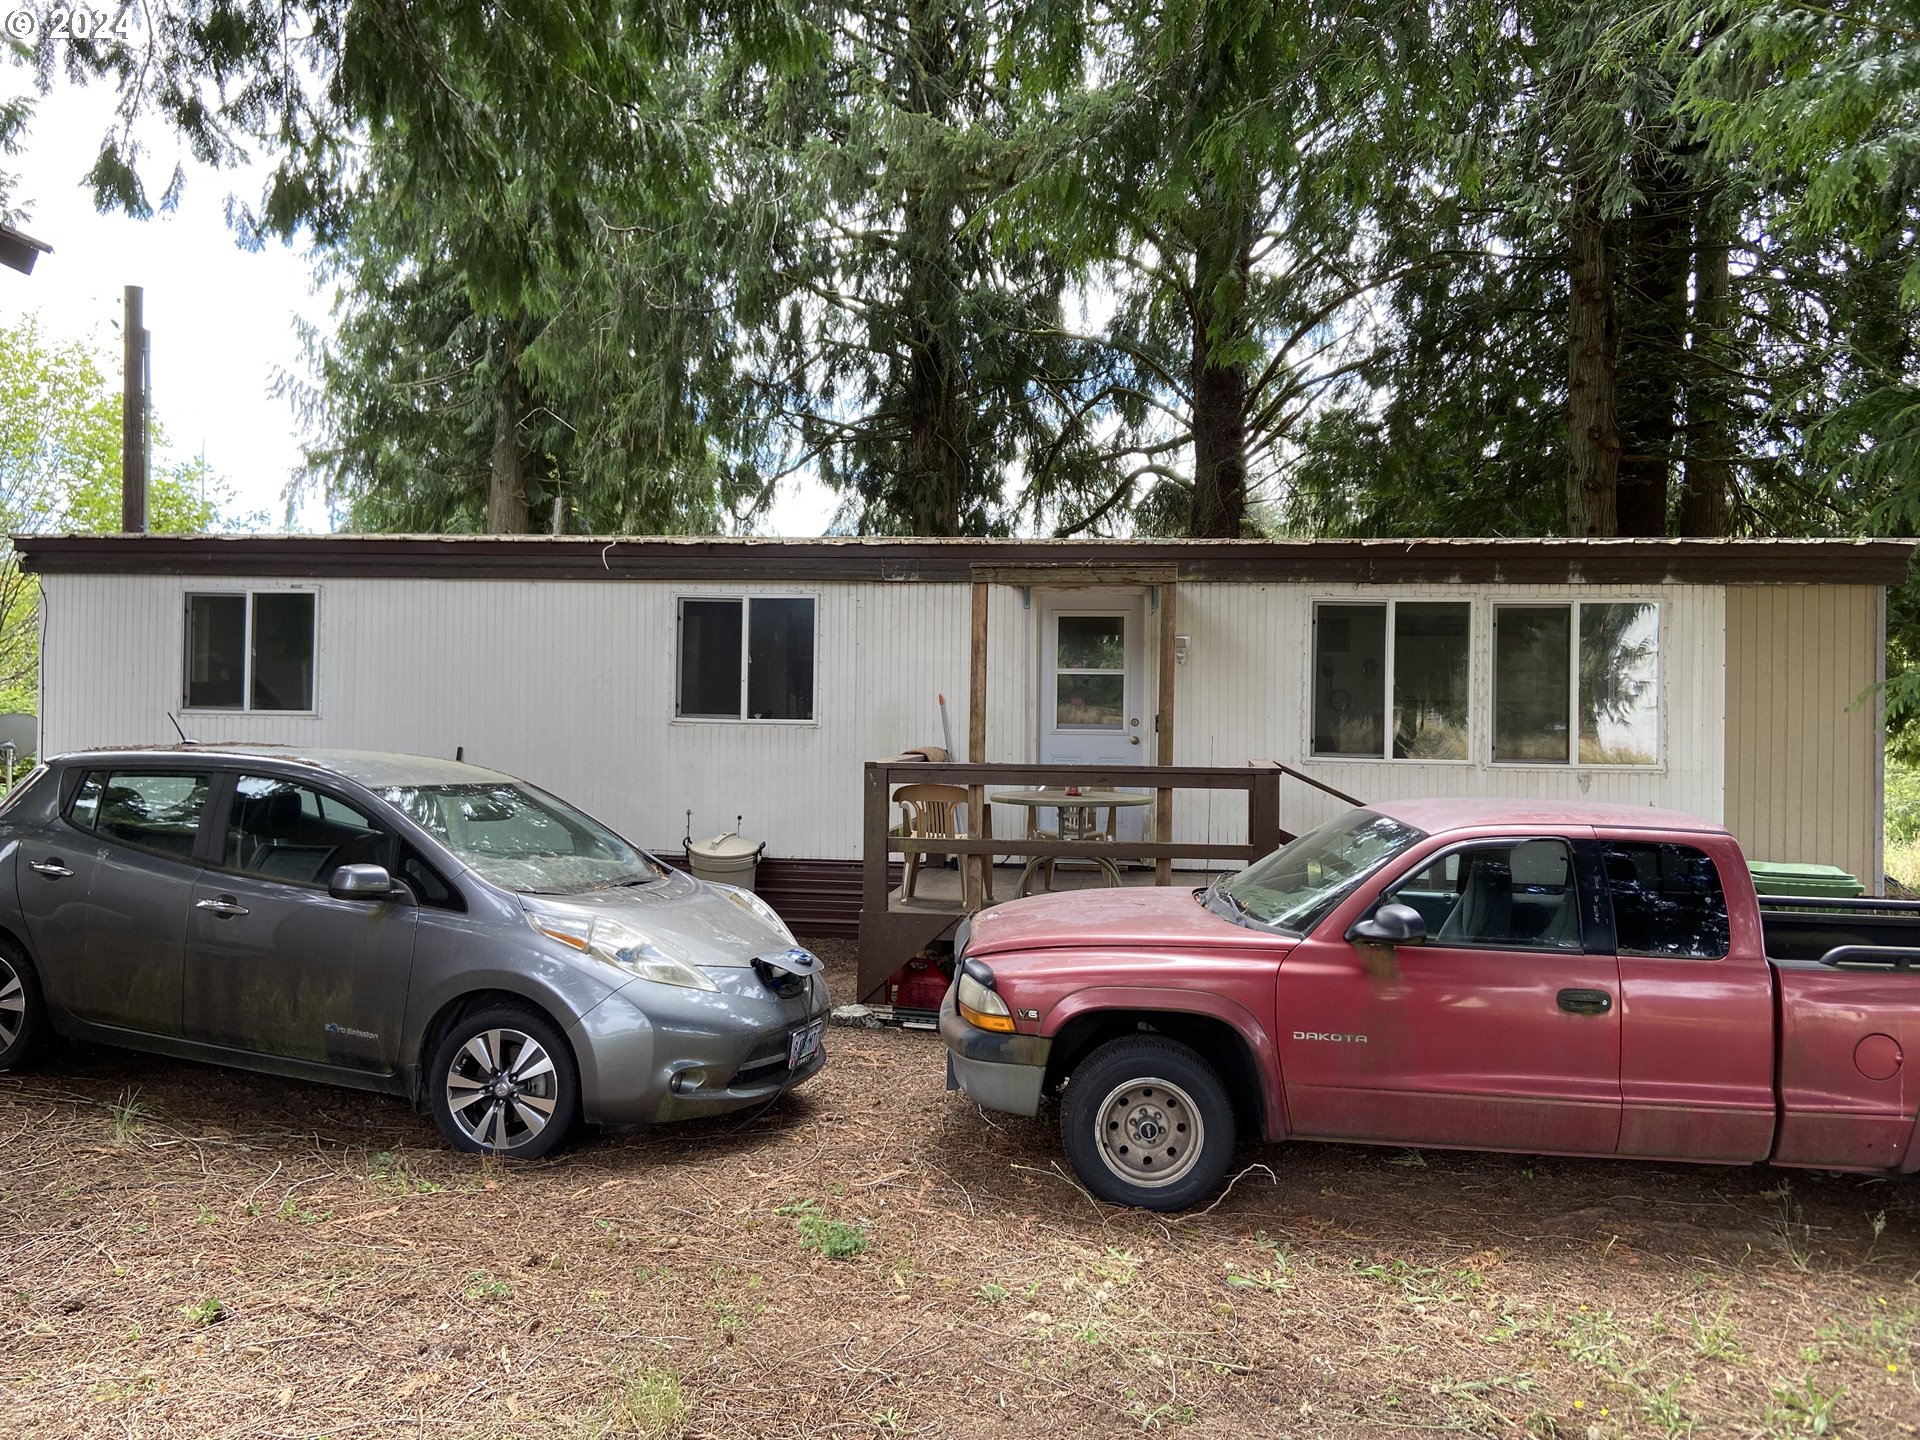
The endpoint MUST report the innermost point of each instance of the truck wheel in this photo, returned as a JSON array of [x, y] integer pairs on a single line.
[[503, 1082], [23, 1014], [1148, 1123]]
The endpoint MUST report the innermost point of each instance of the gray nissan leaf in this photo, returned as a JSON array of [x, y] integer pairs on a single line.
[[396, 923]]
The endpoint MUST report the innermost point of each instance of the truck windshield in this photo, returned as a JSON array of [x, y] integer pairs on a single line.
[[523, 839], [1294, 888]]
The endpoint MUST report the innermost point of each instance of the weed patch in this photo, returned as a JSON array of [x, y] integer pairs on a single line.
[[832, 1238]]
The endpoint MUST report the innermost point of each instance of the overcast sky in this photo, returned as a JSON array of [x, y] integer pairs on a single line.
[[221, 318]]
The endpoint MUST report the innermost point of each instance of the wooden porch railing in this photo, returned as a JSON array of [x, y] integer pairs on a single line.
[[889, 935]]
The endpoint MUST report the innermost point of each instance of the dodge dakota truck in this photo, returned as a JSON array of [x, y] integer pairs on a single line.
[[1480, 974]]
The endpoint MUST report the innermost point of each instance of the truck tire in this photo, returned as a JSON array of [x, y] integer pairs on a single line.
[[23, 1013], [1148, 1123]]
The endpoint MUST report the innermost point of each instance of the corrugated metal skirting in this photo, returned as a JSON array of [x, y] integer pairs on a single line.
[[814, 897]]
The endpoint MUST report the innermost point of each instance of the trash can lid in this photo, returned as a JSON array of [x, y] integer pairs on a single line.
[[731, 846], [1774, 877]]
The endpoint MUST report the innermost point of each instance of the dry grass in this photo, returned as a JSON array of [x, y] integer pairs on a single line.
[[1903, 864], [233, 1256]]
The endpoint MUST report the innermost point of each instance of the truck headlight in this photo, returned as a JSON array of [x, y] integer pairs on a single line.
[[981, 1007]]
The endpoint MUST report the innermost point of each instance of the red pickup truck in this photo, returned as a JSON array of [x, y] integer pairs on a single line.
[[1482, 974]]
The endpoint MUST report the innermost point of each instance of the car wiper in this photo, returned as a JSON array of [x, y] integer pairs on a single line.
[[1220, 892]]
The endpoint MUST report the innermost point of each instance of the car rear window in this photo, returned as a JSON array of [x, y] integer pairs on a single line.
[[152, 810], [1667, 900]]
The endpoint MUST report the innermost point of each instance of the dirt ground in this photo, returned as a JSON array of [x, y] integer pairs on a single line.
[[187, 1251]]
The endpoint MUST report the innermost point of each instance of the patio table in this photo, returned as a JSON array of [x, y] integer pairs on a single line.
[[1076, 820]]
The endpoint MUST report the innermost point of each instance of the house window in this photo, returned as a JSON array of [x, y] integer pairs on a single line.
[[1391, 679], [746, 659], [1576, 684], [250, 652]]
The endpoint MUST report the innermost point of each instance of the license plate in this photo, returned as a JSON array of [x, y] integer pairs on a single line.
[[802, 1044]]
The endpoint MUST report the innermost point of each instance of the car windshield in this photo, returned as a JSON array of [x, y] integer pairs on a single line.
[[522, 839], [1294, 888]]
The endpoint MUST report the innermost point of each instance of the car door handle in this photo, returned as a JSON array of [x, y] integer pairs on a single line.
[[1585, 1002], [225, 906], [52, 869]]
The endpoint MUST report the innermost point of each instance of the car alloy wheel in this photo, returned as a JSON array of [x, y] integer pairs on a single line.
[[505, 1083], [21, 1020]]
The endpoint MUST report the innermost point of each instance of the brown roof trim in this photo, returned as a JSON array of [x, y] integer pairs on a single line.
[[18, 250], [489, 557]]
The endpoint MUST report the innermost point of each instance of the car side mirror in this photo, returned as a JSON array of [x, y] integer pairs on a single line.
[[361, 882], [1391, 924]]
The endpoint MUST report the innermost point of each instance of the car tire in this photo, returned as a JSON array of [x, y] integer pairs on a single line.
[[1147, 1123], [511, 1046], [23, 1012]]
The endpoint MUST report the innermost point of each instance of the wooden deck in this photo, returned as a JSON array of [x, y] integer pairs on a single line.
[[894, 929], [938, 890]]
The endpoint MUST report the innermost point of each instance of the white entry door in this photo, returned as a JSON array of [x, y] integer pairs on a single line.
[[1093, 702]]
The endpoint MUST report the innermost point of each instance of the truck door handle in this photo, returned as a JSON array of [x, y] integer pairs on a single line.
[[51, 868], [225, 906], [1585, 1002]]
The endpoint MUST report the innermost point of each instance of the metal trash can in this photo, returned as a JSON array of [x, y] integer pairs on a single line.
[[729, 859]]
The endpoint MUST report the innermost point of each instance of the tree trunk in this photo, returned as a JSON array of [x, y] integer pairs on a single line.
[[1653, 330], [1222, 264], [1710, 393], [1593, 444], [935, 469], [507, 478]]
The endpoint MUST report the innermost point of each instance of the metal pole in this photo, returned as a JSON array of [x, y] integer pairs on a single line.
[[133, 417]]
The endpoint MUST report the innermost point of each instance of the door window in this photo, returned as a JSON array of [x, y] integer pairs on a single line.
[[283, 831], [1518, 894], [151, 812], [1090, 672], [1667, 900]]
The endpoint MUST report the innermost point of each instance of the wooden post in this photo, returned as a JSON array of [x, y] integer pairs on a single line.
[[974, 871], [133, 416], [1163, 733], [875, 865], [1263, 808]]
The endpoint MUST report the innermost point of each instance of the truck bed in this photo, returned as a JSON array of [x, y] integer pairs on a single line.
[[1811, 929], [1847, 992]]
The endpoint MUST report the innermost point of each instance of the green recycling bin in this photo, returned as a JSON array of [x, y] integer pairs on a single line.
[[1795, 878]]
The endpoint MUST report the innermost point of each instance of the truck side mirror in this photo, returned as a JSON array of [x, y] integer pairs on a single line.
[[1391, 924]]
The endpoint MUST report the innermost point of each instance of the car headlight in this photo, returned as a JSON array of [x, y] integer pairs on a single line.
[[980, 1006], [755, 906], [617, 943]]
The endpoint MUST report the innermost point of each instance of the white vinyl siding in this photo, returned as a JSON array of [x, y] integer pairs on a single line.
[[572, 684]]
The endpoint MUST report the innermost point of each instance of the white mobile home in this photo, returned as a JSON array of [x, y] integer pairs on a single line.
[[650, 677]]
